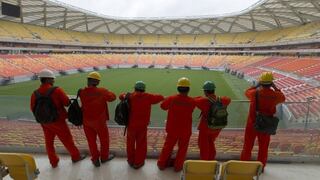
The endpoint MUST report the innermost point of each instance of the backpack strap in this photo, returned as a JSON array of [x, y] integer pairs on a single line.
[[78, 93], [213, 101], [257, 100], [37, 94], [126, 97], [50, 91]]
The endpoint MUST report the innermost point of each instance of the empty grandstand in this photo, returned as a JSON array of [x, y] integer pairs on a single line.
[[281, 36]]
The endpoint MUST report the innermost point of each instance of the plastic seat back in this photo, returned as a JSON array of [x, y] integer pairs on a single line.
[[20, 166], [240, 170], [199, 170]]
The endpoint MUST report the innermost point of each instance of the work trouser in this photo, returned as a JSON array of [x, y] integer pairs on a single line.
[[171, 140], [61, 130], [92, 132], [206, 143], [263, 141], [136, 145]]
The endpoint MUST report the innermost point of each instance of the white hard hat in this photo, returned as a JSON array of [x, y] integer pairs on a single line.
[[46, 73]]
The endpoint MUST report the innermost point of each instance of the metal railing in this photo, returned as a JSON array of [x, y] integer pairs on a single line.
[[292, 114]]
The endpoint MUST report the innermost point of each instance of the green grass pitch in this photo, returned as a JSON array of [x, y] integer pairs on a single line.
[[15, 98]]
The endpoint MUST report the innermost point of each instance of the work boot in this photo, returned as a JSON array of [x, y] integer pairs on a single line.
[[111, 156], [54, 164], [137, 166], [82, 157], [161, 167], [96, 163], [130, 163]]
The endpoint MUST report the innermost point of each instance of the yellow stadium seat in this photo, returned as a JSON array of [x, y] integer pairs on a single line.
[[240, 170], [199, 170], [20, 166], [149, 39]]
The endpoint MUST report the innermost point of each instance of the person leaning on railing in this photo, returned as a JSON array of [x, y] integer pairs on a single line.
[[269, 97], [58, 127], [208, 135], [95, 116]]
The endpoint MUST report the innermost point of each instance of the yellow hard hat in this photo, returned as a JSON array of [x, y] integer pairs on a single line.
[[183, 82], [94, 75], [266, 78]]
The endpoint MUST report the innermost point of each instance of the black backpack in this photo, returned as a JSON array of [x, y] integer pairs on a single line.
[[217, 115], [122, 112], [75, 112], [265, 124], [45, 110]]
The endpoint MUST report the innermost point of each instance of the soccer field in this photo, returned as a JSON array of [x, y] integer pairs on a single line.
[[15, 98]]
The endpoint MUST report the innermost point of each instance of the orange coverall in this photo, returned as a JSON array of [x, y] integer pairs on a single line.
[[179, 123], [268, 100], [59, 127], [140, 110], [207, 136], [95, 115]]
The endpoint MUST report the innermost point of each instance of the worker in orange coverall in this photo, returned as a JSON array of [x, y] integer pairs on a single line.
[[59, 127], [208, 136], [95, 115], [140, 110], [269, 97], [178, 126]]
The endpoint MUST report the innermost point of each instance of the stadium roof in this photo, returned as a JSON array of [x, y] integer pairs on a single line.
[[264, 15]]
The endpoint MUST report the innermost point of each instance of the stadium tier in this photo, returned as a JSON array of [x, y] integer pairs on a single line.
[[290, 73], [17, 31]]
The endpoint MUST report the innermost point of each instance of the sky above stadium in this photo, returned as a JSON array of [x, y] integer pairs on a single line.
[[161, 8]]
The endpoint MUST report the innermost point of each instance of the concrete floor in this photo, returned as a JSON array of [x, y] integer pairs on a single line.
[[118, 169]]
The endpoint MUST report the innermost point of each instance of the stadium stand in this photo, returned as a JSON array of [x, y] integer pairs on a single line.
[[131, 39], [163, 60], [16, 30], [31, 32], [145, 60], [224, 38], [25, 62], [40, 33], [185, 40], [180, 60], [11, 70], [269, 36], [52, 62], [130, 59], [166, 40], [198, 60], [149, 40], [215, 61], [203, 39]]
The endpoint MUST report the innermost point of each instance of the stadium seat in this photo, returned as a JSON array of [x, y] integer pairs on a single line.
[[224, 38], [131, 39], [199, 170], [166, 40], [240, 170], [185, 39], [149, 39], [180, 60], [114, 39], [203, 39], [20, 166]]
